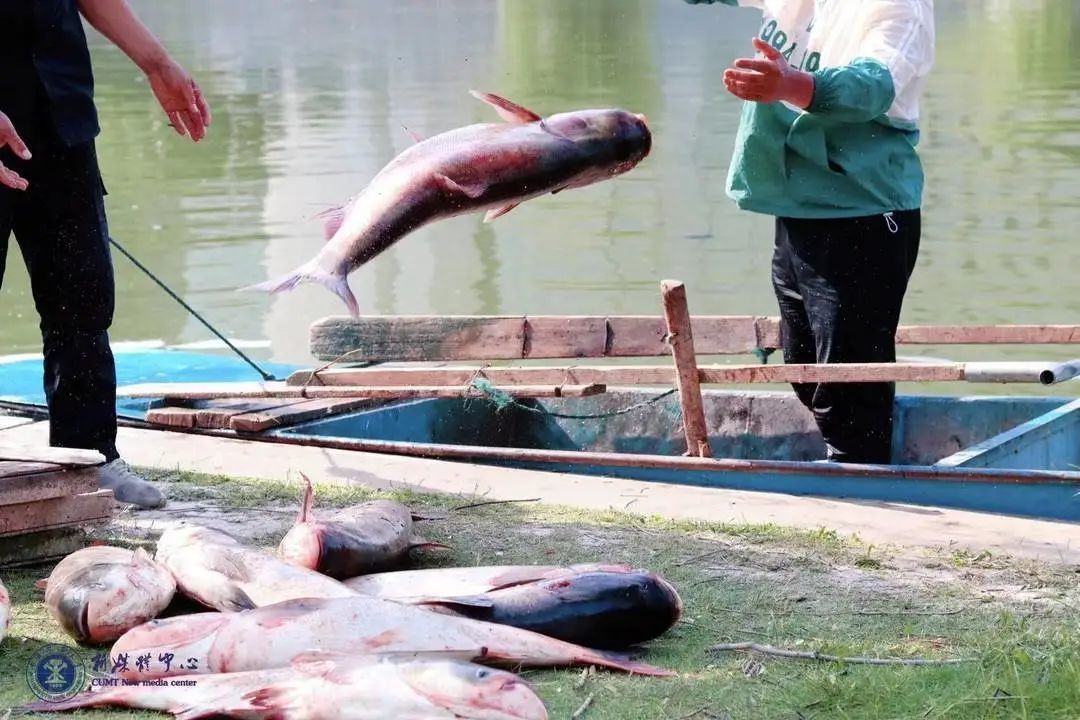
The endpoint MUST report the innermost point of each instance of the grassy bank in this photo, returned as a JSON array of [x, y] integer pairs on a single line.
[[1017, 622]]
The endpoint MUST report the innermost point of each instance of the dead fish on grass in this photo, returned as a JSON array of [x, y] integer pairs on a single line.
[[272, 636], [331, 686], [98, 593], [411, 585], [492, 167], [378, 536], [608, 610], [5, 611], [219, 571]]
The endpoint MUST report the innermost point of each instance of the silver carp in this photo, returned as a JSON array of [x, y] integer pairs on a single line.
[[413, 585], [98, 593], [492, 167], [330, 686], [378, 536], [272, 636], [220, 572]]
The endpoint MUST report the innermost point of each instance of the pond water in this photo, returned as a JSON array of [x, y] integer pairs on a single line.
[[309, 100]]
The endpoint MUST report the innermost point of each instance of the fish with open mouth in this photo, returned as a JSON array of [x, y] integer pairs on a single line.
[[492, 167], [98, 593]]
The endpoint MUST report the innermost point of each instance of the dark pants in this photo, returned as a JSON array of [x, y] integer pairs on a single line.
[[840, 285], [59, 223]]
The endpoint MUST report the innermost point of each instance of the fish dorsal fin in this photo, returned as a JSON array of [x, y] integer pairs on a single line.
[[417, 137], [305, 504], [499, 212], [508, 111]]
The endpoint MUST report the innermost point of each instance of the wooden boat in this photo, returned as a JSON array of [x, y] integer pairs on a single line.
[[471, 389]]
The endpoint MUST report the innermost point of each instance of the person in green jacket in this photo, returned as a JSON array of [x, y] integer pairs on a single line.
[[826, 145]]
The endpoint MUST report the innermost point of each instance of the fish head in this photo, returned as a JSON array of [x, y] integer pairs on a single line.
[[185, 638], [613, 141], [474, 691]]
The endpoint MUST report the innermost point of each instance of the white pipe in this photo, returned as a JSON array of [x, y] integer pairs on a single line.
[[1021, 372]]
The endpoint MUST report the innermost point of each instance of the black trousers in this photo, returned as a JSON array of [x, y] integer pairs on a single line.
[[840, 284], [59, 223]]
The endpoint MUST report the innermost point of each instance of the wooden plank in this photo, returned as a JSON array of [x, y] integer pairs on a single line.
[[988, 335], [45, 484], [210, 391], [412, 338], [56, 512], [681, 339], [292, 413], [71, 457], [219, 414], [565, 337], [42, 546], [172, 417]]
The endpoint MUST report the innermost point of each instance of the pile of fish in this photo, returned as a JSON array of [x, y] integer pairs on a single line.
[[5, 611], [295, 634]]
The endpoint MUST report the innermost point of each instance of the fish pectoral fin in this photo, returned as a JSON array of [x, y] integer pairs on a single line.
[[547, 128], [473, 607], [305, 503], [508, 111], [42, 584], [417, 542], [499, 212], [469, 190]]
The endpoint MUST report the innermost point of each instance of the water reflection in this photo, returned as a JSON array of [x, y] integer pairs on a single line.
[[309, 102]]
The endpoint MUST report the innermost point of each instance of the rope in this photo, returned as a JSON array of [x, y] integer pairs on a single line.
[[265, 375], [503, 400]]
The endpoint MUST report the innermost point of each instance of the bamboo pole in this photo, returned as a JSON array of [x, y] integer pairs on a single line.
[[681, 339]]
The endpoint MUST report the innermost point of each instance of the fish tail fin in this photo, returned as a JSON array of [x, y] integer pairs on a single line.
[[311, 272], [305, 505], [82, 700]]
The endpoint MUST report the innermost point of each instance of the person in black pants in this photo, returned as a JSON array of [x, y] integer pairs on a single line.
[[52, 199]]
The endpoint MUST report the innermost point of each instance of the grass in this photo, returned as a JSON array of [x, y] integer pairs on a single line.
[[809, 591]]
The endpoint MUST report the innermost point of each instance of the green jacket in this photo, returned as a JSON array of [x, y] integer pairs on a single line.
[[852, 151]]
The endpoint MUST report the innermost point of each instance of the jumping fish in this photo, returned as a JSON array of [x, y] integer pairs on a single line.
[[607, 610], [5, 611], [492, 167], [272, 636], [98, 593], [411, 585], [331, 686], [219, 571], [378, 537]]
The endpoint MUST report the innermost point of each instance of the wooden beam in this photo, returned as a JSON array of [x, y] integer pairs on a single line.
[[55, 512], [988, 335], [210, 391], [298, 412], [71, 457], [681, 338]]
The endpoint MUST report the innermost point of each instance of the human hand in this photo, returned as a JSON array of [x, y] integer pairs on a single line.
[[181, 99], [10, 138], [769, 79]]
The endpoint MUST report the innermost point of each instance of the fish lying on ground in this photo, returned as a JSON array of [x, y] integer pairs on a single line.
[[379, 536], [271, 636], [5, 611], [219, 571], [608, 610], [98, 593], [410, 585], [491, 167], [331, 686]]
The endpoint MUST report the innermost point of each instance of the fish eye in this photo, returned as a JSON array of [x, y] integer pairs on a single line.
[[482, 673]]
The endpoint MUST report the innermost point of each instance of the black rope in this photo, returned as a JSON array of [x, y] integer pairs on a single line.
[[265, 375]]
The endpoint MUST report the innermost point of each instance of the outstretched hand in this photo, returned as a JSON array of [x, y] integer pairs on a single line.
[[181, 100], [10, 138], [769, 78]]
